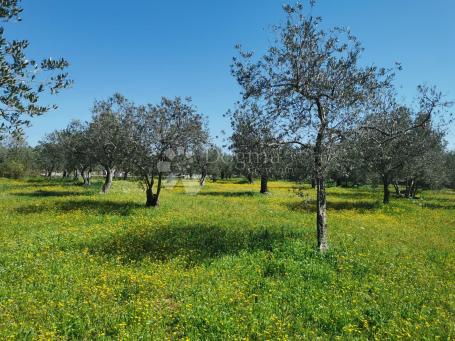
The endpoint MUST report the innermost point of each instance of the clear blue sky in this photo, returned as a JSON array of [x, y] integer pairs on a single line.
[[146, 49]]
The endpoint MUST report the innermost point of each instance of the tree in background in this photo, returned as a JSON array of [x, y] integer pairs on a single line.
[[313, 90], [17, 158], [208, 160], [450, 169], [163, 135], [22, 81], [77, 149], [109, 134], [393, 137], [253, 143], [50, 153]]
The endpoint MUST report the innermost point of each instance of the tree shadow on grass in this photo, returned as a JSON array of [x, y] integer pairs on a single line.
[[361, 206], [229, 194], [438, 206], [355, 194], [194, 243], [46, 193], [100, 207]]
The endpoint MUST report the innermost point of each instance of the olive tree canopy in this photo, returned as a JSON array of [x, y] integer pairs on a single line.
[[313, 88], [23, 80]]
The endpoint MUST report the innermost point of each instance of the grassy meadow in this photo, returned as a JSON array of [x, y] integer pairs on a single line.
[[227, 263]]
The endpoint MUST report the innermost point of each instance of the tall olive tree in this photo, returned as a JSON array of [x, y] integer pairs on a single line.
[[23, 80], [163, 136], [108, 134], [313, 87]]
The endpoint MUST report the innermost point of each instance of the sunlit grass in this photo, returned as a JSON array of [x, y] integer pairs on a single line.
[[224, 263]]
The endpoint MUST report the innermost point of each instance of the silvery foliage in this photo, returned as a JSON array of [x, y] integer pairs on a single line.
[[164, 139], [252, 142], [23, 81], [310, 83]]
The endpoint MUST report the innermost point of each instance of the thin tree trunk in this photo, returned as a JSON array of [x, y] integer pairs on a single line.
[[153, 198], [203, 176], [108, 181], [321, 205], [385, 181], [321, 202], [397, 188], [264, 188], [202, 180], [85, 177], [412, 189]]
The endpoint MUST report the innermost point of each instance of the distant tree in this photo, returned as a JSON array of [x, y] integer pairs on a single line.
[[226, 165], [450, 169], [207, 161], [78, 151], [426, 169], [253, 143], [50, 153], [313, 89], [17, 158], [394, 136], [21, 80], [163, 136], [109, 134]]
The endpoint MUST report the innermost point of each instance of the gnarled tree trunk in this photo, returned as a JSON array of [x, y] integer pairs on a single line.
[[153, 198], [249, 178], [108, 180], [85, 177], [385, 182], [203, 176], [396, 185], [264, 188]]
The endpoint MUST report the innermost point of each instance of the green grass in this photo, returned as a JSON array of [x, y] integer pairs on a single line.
[[227, 263]]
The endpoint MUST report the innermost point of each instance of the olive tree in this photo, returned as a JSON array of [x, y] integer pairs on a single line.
[[23, 80], [108, 134], [50, 153], [77, 149], [252, 142], [313, 88], [393, 137], [162, 137]]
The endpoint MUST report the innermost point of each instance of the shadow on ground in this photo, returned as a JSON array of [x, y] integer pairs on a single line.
[[229, 194], [439, 206], [358, 194], [195, 243], [46, 193], [88, 206], [360, 206]]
